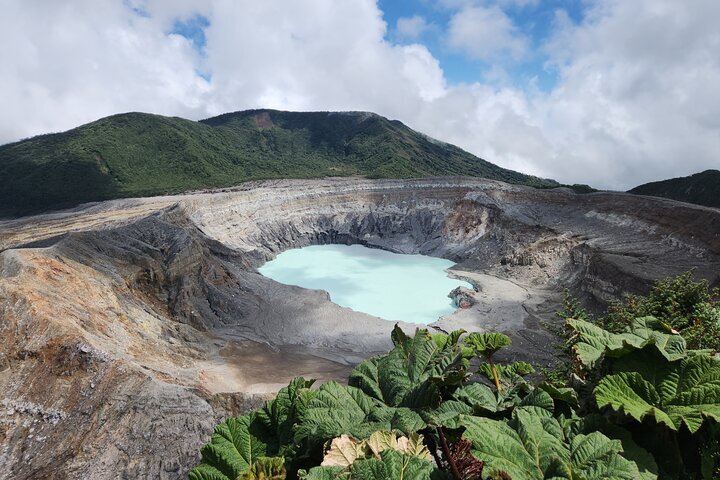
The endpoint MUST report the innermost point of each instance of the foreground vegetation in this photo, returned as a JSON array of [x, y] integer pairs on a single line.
[[688, 307], [138, 154], [640, 402]]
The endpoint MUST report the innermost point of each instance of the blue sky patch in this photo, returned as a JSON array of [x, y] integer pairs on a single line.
[[193, 29], [534, 22]]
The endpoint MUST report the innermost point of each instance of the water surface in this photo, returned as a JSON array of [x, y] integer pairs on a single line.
[[410, 288]]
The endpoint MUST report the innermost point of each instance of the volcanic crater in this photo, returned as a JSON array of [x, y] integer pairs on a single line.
[[130, 327]]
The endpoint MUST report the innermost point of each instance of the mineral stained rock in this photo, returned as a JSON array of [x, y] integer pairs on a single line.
[[129, 328], [463, 297]]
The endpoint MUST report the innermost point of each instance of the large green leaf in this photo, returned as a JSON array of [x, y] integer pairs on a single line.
[[538, 403], [235, 445], [366, 377], [325, 473], [486, 401], [446, 414], [629, 392], [207, 472], [335, 410], [447, 340], [542, 438], [392, 465], [563, 394], [595, 456], [651, 331], [631, 450], [415, 373], [500, 447], [508, 375], [535, 447], [297, 416], [389, 465], [486, 344], [593, 343], [682, 392], [481, 400], [401, 419], [480, 397], [280, 415]]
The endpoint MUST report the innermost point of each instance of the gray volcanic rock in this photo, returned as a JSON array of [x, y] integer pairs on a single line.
[[131, 327], [462, 297]]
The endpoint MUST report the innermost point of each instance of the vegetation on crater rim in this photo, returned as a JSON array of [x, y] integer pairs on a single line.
[[702, 188], [687, 306], [138, 154]]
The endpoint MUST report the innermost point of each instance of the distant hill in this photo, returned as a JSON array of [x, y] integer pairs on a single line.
[[701, 188], [139, 154]]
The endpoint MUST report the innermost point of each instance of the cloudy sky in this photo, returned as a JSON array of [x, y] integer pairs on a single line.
[[607, 92]]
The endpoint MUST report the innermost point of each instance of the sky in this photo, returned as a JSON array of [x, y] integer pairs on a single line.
[[611, 93]]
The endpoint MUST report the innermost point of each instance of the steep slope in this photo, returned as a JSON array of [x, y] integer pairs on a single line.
[[701, 188], [137, 154]]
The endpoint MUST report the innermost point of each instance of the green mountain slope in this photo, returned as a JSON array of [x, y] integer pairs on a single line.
[[137, 154], [701, 188]]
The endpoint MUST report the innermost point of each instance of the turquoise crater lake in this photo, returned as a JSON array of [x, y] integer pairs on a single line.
[[409, 288]]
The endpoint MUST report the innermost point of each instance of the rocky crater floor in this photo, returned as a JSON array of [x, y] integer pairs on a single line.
[[130, 327]]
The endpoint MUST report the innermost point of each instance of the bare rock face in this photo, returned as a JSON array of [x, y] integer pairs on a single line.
[[463, 297], [131, 327]]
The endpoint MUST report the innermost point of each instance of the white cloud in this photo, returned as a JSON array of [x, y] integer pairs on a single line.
[[412, 27], [636, 98], [506, 4], [71, 62], [638, 93], [314, 55], [485, 33]]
